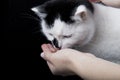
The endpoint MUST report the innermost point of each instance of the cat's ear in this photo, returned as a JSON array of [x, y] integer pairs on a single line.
[[39, 10], [81, 11]]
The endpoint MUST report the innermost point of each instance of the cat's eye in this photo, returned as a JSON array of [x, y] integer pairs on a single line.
[[67, 36], [50, 34]]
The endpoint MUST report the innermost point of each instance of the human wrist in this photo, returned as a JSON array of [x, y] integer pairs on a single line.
[[81, 64], [70, 66], [73, 59]]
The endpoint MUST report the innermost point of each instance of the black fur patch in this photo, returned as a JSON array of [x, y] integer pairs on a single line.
[[63, 9]]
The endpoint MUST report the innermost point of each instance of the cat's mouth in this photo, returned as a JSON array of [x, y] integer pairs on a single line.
[[57, 47], [55, 44]]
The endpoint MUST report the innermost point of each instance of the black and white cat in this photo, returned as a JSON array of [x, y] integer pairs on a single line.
[[85, 26]]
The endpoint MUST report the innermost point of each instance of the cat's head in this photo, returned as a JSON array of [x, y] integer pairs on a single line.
[[66, 22]]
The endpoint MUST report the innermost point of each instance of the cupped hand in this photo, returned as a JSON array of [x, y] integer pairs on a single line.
[[57, 60], [60, 62]]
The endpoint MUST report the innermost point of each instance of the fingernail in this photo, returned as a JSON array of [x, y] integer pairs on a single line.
[[42, 54]]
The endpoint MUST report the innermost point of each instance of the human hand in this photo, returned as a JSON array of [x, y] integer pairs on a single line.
[[60, 62], [57, 60]]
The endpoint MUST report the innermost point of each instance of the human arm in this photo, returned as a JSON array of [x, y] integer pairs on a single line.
[[113, 3], [86, 65], [94, 68]]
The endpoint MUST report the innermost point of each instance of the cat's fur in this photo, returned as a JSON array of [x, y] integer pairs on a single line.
[[82, 25]]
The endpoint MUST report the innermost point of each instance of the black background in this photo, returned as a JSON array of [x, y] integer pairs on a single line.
[[23, 40]]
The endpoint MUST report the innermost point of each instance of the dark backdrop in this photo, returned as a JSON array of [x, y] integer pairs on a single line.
[[23, 38]]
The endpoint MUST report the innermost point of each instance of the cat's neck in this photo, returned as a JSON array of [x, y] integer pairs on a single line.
[[106, 38], [107, 22], [107, 19], [104, 15], [103, 9]]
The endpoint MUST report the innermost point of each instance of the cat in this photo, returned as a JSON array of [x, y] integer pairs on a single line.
[[82, 25]]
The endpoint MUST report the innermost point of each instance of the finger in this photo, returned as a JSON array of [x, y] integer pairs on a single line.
[[52, 48], [46, 52], [42, 55], [45, 48], [46, 56]]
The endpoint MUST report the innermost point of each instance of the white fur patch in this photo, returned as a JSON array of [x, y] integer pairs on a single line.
[[39, 13], [35, 10], [80, 9], [58, 27]]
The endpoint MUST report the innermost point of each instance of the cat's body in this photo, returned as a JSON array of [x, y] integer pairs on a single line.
[[106, 40], [90, 27]]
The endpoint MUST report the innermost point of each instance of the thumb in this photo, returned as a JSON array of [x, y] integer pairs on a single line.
[[46, 56]]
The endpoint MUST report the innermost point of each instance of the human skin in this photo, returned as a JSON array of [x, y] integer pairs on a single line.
[[113, 3], [72, 62]]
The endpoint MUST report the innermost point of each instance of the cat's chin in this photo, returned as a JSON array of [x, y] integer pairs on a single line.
[[66, 47], [70, 46], [76, 46]]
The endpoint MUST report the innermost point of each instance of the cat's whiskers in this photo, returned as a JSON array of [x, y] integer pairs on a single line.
[[29, 16], [36, 30]]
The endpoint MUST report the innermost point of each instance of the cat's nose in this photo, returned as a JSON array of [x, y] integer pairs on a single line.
[[55, 43]]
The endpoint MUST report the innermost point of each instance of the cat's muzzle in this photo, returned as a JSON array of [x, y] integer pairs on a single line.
[[55, 44]]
